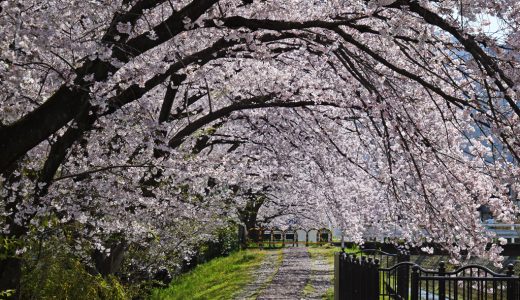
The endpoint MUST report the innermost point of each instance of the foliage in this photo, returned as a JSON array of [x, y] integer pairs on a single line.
[[8, 246], [224, 243], [139, 282], [220, 278], [63, 277], [6, 294], [51, 270]]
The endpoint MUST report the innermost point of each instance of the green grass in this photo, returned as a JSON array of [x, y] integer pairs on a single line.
[[221, 278], [308, 289], [327, 252], [329, 295], [265, 284]]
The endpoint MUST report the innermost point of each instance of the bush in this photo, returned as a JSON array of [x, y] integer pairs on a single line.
[[225, 243], [51, 271], [66, 278]]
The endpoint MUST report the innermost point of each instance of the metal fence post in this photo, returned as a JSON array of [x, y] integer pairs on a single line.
[[375, 279], [442, 282], [369, 287], [415, 283], [337, 276], [511, 283], [403, 276], [348, 290], [363, 268], [354, 281]]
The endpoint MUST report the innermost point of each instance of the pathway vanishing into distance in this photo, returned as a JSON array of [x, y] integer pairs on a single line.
[[296, 277]]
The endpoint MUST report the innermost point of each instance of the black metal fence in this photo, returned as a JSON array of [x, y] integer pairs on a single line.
[[374, 275]]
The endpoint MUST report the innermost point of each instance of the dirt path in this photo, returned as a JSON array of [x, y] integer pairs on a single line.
[[262, 276], [322, 274], [292, 276]]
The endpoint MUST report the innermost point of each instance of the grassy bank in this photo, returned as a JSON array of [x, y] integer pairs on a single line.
[[221, 278]]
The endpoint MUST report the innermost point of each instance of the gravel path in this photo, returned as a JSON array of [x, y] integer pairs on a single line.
[[321, 277], [292, 276], [262, 275], [297, 277]]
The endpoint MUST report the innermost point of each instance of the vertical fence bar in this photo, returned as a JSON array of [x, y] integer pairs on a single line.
[[415, 283], [375, 277], [363, 277], [403, 276], [349, 286], [350, 267], [337, 276], [511, 283], [456, 289], [442, 282], [369, 282]]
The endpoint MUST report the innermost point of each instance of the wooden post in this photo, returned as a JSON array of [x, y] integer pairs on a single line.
[[261, 237]]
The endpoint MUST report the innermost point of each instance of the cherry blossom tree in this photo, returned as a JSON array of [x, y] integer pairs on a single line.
[[389, 116]]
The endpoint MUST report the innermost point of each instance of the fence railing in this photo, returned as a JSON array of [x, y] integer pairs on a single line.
[[511, 232], [275, 237], [365, 277]]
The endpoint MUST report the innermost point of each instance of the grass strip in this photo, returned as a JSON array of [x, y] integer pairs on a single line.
[[221, 278]]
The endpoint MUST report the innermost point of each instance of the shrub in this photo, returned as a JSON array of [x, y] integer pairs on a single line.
[[62, 277], [51, 271]]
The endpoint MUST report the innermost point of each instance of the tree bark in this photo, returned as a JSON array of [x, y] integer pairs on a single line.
[[111, 263]]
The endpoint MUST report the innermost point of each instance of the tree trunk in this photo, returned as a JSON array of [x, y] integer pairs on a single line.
[[242, 236], [111, 263]]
